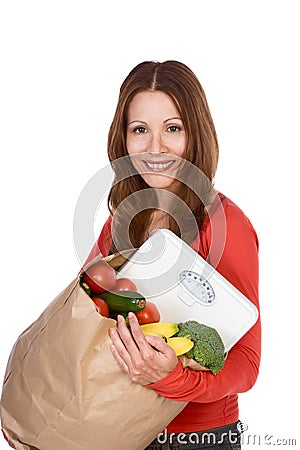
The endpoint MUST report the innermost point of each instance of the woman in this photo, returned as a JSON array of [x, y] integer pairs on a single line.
[[162, 121]]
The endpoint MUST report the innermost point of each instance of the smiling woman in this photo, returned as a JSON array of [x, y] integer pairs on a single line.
[[163, 139], [156, 136]]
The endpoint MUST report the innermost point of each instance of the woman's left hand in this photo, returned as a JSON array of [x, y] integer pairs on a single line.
[[145, 359]]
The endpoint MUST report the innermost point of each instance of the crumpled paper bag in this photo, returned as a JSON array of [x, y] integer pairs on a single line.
[[63, 389]]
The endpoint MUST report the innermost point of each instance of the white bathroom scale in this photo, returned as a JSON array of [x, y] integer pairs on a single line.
[[169, 273]]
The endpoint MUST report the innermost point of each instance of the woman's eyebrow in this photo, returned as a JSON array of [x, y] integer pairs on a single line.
[[145, 123], [137, 121], [172, 118]]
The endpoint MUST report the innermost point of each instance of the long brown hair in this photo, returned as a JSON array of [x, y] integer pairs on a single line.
[[180, 83]]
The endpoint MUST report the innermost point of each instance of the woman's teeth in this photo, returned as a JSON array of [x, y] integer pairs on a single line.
[[160, 166]]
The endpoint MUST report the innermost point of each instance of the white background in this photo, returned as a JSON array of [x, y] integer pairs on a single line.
[[62, 63]]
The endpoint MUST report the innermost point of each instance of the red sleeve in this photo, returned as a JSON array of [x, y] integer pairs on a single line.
[[239, 264], [103, 243]]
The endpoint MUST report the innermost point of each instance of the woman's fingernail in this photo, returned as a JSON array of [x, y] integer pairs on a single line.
[[130, 315]]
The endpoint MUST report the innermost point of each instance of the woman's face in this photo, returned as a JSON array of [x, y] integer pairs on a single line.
[[156, 139]]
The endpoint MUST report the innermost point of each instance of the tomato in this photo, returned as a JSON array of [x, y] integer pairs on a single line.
[[100, 277], [102, 306], [149, 314], [124, 284]]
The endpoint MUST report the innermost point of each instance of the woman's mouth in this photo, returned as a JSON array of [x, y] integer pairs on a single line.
[[158, 167]]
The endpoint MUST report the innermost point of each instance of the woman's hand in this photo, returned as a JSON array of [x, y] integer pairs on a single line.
[[145, 359]]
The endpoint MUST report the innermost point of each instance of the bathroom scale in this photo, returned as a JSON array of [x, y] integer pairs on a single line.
[[184, 286]]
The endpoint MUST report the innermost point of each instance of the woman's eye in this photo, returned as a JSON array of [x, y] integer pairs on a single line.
[[173, 128], [140, 130]]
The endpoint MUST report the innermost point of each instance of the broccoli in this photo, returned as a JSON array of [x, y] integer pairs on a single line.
[[209, 350]]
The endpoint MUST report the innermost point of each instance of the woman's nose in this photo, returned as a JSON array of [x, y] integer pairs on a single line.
[[156, 144]]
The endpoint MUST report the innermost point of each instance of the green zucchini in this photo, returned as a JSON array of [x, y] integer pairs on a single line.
[[114, 315], [86, 288], [123, 301]]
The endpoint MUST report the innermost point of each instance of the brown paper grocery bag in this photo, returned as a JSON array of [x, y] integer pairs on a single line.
[[63, 389]]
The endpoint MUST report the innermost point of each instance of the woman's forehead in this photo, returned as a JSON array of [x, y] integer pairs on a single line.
[[150, 104]]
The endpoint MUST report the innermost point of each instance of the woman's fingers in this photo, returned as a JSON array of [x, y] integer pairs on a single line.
[[125, 344], [119, 348], [137, 333], [119, 359], [127, 336], [160, 345]]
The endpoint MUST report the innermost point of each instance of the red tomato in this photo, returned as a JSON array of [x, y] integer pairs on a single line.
[[124, 284], [149, 314], [100, 277], [102, 306]]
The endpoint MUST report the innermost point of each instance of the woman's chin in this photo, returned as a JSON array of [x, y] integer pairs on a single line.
[[159, 181]]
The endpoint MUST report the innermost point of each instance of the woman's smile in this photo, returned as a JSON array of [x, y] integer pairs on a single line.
[[159, 166]]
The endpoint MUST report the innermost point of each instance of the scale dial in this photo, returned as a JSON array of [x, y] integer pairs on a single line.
[[196, 288]]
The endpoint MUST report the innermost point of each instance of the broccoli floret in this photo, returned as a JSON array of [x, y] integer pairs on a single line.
[[209, 350]]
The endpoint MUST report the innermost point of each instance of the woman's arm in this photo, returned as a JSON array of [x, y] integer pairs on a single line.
[[103, 242]]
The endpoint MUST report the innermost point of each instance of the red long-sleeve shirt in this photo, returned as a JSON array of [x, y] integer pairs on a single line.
[[213, 399]]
